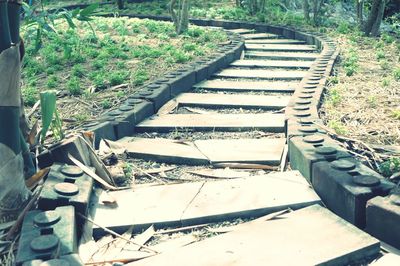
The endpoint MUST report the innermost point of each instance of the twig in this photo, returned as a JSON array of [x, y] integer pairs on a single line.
[[21, 217], [147, 174], [181, 229], [116, 234], [33, 110]]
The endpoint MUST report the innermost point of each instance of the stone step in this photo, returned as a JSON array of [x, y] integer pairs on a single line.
[[242, 31], [213, 100], [282, 55], [310, 236], [275, 41], [201, 202], [239, 86], [261, 74], [252, 36], [211, 122], [272, 63], [281, 47]]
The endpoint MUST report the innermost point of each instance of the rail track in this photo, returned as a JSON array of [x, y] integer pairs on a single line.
[[225, 127]]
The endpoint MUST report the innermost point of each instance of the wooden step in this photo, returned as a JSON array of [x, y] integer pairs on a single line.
[[282, 55], [242, 31], [252, 36], [275, 41], [272, 63], [238, 86], [261, 74], [211, 122], [213, 100], [281, 47]]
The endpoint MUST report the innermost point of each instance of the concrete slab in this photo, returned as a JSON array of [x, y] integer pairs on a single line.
[[226, 122], [389, 259], [310, 236], [281, 47], [261, 74], [213, 100], [242, 31], [259, 36], [158, 205], [164, 150], [272, 63], [249, 197], [275, 41], [257, 151], [267, 86], [282, 55]]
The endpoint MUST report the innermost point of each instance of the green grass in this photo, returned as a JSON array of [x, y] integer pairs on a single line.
[[390, 166]]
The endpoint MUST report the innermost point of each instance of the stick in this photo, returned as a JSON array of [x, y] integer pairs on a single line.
[[33, 110], [116, 234], [147, 174], [181, 229]]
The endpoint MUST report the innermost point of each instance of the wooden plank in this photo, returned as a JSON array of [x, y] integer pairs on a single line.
[[276, 41], [238, 86], [156, 205], [281, 47], [258, 151], [242, 31], [272, 63], [282, 55], [219, 122], [261, 74], [252, 36], [164, 150], [232, 100], [310, 236]]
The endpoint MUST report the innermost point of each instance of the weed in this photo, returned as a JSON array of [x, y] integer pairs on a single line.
[[388, 39], [385, 65], [78, 71], [385, 82], [390, 166], [380, 54], [106, 104], [396, 114], [118, 77], [30, 95], [140, 76], [52, 82], [338, 127], [74, 86], [334, 97], [372, 101], [81, 117], [343, 28], [396, 73]]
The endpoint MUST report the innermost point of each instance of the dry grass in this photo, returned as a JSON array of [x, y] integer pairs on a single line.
[[364, 105]]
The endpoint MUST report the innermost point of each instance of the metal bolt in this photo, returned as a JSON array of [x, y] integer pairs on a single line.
[[66, 189], [72, 171], [44, 243], [366, 180], [47, 218], [313, 139], [343, 165], [326, 150]]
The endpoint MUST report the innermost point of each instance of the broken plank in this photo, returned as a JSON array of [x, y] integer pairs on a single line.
[[271, 63], [281, 47], [163, 150], [220, 173], [261, 74], [253, 151], [231, 122], [282, 55], [211, 100], [249, 36], [310, 236], [238, 86], [275, 41]]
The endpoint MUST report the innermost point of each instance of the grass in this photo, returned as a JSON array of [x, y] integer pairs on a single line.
[[123, 51]]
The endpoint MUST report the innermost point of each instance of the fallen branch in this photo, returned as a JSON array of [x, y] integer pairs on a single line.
[[116, 234]]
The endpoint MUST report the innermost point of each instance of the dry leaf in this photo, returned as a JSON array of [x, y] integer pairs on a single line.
[[36, 178]]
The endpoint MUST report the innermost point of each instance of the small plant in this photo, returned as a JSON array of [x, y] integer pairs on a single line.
[[385, 82], [343, 28], [74, 86], [30, 95], [338, 127], [372, 101], [390, 166], [332, 80], [118, 77], [385, 65], [78, 71], [396, 114], [52, 82], [396, 73], [387, 38], [334, 96], [81, 117], [351, 62], [140, 76], [106, 104], [50, 117], [380, 54]]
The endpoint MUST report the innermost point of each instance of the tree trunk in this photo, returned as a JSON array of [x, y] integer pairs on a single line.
[[375, 18], [317, 5], [13, 193], [306, 8], [120, 4], [180, 16], [360, 13]]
